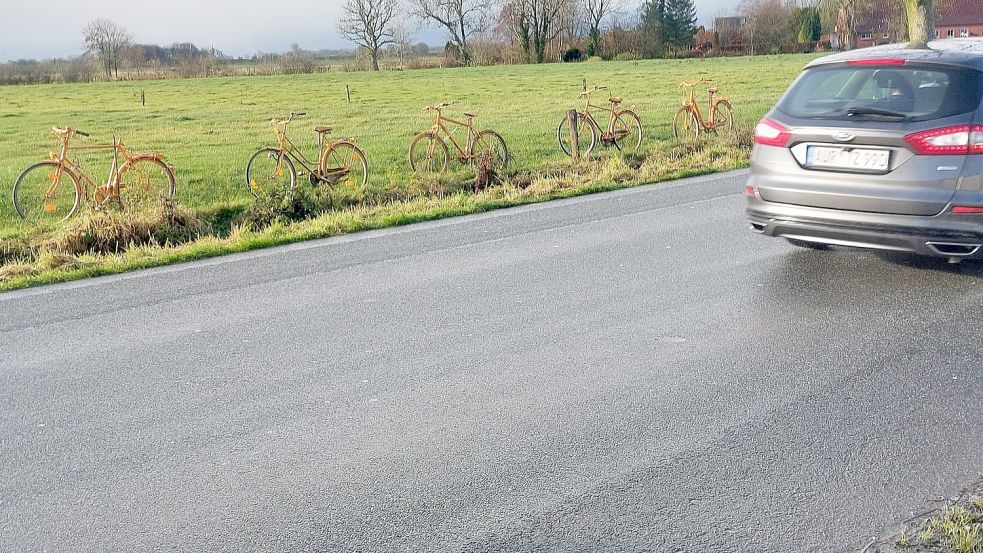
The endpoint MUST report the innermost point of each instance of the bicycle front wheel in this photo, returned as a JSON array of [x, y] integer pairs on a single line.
[[429, 154], [143, 182], [685, 126], [494, 144], [723, 116], [343, 166], [627, 132], [269, 171], [586, 137], [46, 193]]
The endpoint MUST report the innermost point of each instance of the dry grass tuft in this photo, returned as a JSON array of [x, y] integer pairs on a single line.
[[109, 231]]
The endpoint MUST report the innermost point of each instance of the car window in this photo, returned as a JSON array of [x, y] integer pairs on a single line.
[[910, 93]]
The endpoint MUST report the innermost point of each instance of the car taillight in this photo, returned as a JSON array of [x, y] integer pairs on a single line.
[[958, 140], [771, 133]]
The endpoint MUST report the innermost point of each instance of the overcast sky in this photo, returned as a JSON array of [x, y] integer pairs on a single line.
[[53, 28]]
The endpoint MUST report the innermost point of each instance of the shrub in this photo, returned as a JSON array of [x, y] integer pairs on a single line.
[[626, 56], [573, 54], [284, 207]]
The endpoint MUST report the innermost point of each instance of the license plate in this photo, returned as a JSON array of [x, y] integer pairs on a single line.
[[855, 159]]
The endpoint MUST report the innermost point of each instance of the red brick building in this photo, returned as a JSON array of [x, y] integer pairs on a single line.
[[959, 18], [885, 22]]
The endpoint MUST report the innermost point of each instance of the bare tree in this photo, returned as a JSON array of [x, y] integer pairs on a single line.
[[106, 40], [771, 25], [513, 17], [461, 18], [369, 23], [596, 11], [536, 23], [842, 16], [402, 35]]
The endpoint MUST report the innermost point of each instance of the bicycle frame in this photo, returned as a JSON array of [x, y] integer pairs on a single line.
[[692, 104], [287, 147], [440, 127], [587, 115], [66, 162]]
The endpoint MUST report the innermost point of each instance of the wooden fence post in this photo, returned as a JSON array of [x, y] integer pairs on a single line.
[[348, 94], [574, 134]]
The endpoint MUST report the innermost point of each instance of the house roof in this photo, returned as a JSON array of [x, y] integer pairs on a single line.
[[951, 13], [887, 15], [884, 16]]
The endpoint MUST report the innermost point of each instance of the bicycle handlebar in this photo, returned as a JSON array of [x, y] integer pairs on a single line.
[[438, 107], [593, 89], [276, 121], [62, 131], [702, 80]]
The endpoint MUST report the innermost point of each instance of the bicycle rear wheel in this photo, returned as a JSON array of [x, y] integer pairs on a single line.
[[627, 132], [491, 141], [46, 193], [586, 136], [429, 154], [685, 125], [143, 182], [269, 171], [723, 116], [343, 166]]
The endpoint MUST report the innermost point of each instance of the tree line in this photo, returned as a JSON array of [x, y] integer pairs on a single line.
[[537, 31], [528, 31], [501, 31]]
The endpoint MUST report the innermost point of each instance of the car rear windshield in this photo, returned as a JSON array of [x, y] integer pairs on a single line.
[[908, 93]]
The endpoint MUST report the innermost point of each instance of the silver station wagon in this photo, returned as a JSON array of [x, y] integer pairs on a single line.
[[876, 148]]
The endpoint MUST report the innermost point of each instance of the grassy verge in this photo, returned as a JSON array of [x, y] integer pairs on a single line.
[[208, 129], [955, 528], [83, 250]]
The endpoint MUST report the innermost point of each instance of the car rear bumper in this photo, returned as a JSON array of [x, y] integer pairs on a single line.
[[938, 236]]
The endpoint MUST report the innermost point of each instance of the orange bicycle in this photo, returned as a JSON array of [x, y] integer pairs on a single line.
[[340, 163], [689, 122], [429, 151], [623, 131], [52, 191]]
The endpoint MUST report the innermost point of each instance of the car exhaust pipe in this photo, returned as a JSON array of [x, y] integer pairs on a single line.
[[953, 249], [758, 227]]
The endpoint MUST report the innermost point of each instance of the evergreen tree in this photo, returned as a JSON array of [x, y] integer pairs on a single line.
[[668, 24], [679, 24], [653, 18], [810, 27]]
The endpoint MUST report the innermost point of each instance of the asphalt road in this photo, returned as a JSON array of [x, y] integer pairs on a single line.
[[624, 372]]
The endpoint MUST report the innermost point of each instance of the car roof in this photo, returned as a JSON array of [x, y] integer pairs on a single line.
[[956, 51]]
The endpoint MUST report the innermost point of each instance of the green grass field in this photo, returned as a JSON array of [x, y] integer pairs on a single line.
[[208, 129]]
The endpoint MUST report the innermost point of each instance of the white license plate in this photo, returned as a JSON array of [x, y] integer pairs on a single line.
[[857, 159]]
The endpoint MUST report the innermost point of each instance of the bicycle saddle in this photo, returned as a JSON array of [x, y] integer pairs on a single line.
[[713, 90], [471, 115], [323, 129], [616, 99]]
